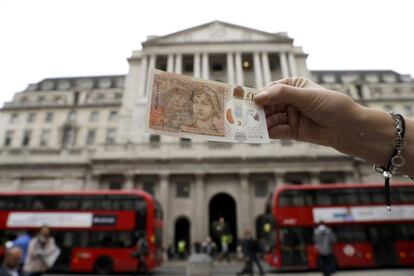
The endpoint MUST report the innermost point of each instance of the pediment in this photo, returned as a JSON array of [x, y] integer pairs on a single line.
[[217, 32]]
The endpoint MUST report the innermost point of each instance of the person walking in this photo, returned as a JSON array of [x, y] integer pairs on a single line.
[[41, 254], [324, 240], [140, 254], [22, 241], [182, 249], [11, 262], [250, 248]]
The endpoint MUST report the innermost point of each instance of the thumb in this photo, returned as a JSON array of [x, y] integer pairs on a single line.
[[284, 94]]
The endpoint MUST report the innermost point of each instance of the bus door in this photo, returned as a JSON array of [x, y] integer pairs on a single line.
[[383, 245], [292, 246]]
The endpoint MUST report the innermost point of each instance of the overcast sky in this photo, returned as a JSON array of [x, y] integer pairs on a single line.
[[50, 38]]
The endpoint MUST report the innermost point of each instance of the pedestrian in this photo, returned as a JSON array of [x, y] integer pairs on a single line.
[[250, 248], [209, 246], [41, 254], [22, 241], [182, 249], [141, 253], [225, 239], [11, 262], [324, 240]]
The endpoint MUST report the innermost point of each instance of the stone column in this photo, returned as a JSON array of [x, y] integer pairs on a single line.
[[205, 69], [143, 75], [278, 179], [129, 181], [245, 206], [257, 70], [178, 64], [197, 71], [164, 201], [284, 65], [230, 68], [239, 69], [151, 65], [199, 225], [266, 69], [170, 63], [292, 65]]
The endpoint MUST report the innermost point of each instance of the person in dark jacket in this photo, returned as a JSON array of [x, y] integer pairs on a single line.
[[250, 248], [11, 263]]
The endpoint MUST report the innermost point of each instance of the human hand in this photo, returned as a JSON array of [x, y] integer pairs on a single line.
[[297, 108]]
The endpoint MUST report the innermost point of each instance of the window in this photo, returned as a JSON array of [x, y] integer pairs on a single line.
[[182, 189], [185, 142], [161, 62], [261, 188], [408, 110], [68, 137], [149, 187], [94, 116], [110, 135], [40, 99], [155, 140], [388, 107], [13, 118], [57, 99], [90, 137], [31, 117], [112, 115], [115, 185], [49, 117], [26, 137], [8, 139], [44, 137], [23, 99], [71, 116]]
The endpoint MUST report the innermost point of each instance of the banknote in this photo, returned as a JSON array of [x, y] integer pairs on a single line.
[[189, 107]]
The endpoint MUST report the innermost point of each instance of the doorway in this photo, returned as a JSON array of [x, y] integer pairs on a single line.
[[222, 219], [182, 233]]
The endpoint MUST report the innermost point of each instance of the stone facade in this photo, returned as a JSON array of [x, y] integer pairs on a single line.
[[88, 132]]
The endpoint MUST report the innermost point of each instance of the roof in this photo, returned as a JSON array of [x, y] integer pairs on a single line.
[[218, 26], [70, 83], [361, 75]]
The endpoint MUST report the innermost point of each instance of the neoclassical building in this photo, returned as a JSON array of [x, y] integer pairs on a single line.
[[82, 133]]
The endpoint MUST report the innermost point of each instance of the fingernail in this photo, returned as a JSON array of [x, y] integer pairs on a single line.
[[261, 96]]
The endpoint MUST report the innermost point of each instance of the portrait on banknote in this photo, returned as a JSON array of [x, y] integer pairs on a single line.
[[182, 105]]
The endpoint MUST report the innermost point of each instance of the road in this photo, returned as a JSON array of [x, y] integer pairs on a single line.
[[221, 269]]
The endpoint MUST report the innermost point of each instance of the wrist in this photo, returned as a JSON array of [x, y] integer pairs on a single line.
[[370, 136]]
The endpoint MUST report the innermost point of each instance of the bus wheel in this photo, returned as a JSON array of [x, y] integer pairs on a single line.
[[103, 265]]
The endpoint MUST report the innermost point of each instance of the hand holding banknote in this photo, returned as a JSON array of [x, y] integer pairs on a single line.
[[184, 106], [299, 109]]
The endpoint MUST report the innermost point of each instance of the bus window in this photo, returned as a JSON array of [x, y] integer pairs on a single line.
[[350, 234], [292, 244], [345, 196], [377, 195], [364, 196], [405, 231], [406, 194], [323, 198]]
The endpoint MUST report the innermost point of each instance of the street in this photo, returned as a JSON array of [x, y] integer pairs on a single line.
[[178, 269]]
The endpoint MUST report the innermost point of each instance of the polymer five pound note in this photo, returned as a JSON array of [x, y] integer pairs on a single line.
[[188, 107]]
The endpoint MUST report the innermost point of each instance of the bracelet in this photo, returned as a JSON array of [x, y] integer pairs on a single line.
[[397, 160]]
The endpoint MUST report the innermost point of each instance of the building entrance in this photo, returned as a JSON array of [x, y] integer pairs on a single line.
[[222, 220], [182, 241]]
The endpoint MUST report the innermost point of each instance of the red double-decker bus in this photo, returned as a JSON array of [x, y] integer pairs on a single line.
[[367, 234], [96, 231]]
